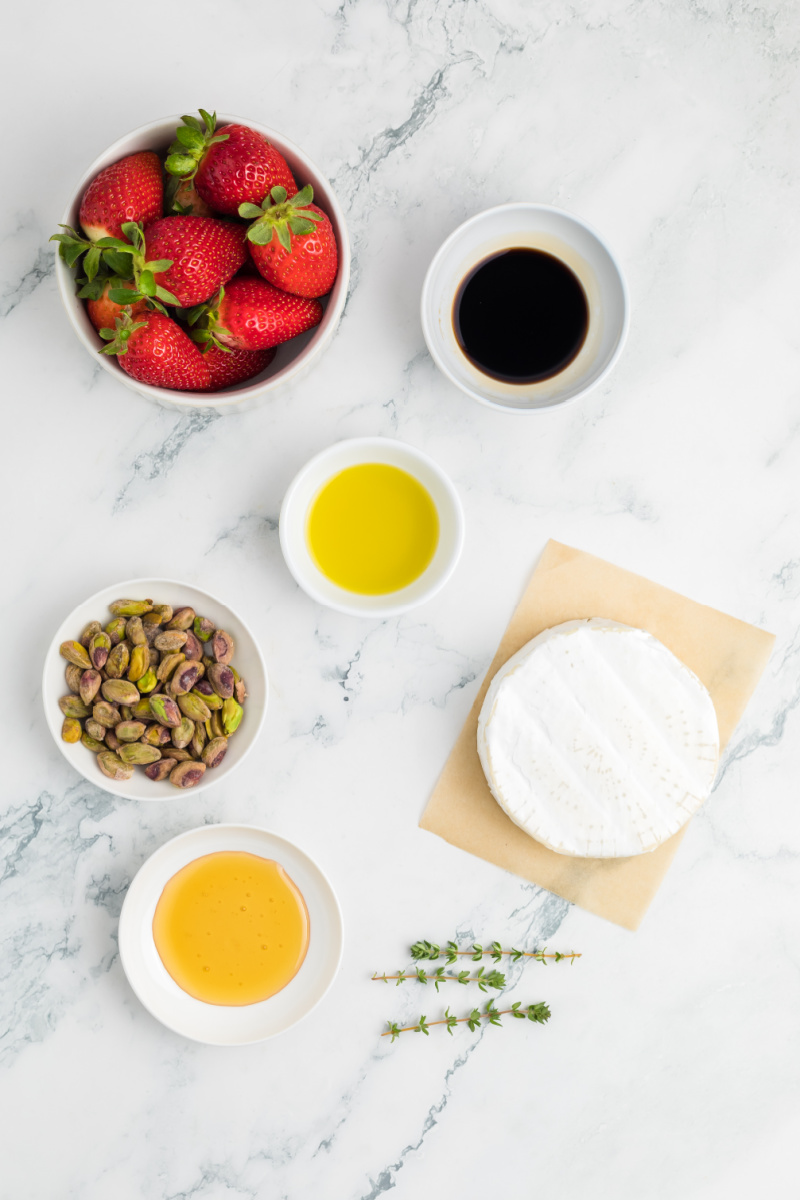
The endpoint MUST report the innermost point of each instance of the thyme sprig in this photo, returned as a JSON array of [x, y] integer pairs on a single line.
[[483, 978], [430, 951], [540, 1013]]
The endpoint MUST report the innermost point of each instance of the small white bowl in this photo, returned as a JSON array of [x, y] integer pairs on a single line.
[[247, 659], [217, 1024], [307, 483], [293, 358], [538, 227]]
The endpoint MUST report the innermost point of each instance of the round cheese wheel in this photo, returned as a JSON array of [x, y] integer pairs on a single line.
[[597, 741]]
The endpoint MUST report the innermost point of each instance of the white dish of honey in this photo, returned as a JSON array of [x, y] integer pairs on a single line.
[[371, 527], [230, 934]]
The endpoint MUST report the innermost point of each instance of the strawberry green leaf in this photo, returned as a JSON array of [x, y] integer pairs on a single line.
[[160, 264], [72, 252], [221, 137], [110, 243], [209, 118], [119, 264], [278, 194], [300, 226], [193, 122], [192, 139], [249, 211], [166, 296], [108, 334], [284, 237], [180, 164], [192, 315], [301, 198], [260, 234], [124, 295], [147, 283], [131, 231], [92, 262]]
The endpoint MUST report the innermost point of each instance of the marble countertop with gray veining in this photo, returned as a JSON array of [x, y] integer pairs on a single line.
[[670, 1066]]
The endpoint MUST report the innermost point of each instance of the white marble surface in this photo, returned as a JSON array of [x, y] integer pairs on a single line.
[[670, 1067]]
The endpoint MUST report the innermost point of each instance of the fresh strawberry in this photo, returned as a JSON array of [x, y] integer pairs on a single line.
[[203, 255], [227, 367], [251, 314], [128, 190], [103, 311], [292, 242], [230, 166], [182, 197], [155, 350]]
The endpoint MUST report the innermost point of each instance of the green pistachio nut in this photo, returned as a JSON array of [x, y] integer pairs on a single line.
[[111, 740], [95, 729], [165, 711], [71, 730], [182, 734], [161, 769], [182, 620], [130, 731], [185, 677], [232, 713], [215, 724], [170, 641], [73, 706], [134, 632], [141, 711], [187, 774], [72, 674], [92, 743], [137, 754], [127, 712], [89, 685], [117, 661], [107, 715], [131, 608], [161, 614], [75, 653], [139, 664], [112, 766], [204, 689], [91, 629], [203, 628], [221, 679], [99, 649], [116, 630], [147, 682], [198, 740], [194, 707], [120, 691], [178, 755], [215, 751], [167, 665], [156, 735], [222, 646]]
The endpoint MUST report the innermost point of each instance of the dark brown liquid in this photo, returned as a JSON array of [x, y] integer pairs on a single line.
[[521, 316]]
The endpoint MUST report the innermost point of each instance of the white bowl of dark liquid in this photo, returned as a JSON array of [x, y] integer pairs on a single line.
[[524, 308]]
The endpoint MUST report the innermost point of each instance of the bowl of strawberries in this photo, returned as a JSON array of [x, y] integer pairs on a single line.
[[204, 261]]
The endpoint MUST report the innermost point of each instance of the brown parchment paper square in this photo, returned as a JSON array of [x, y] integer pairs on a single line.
[[727, 655]]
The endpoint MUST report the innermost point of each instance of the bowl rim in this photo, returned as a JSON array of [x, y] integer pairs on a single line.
[[99, 779], [230, 398], [450, 241], [378, 611], [199, 833]]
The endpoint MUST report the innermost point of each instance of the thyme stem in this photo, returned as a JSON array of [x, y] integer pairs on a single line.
[[540, 1013]]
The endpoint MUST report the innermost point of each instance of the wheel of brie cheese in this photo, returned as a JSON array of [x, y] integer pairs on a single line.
[[597, 741]]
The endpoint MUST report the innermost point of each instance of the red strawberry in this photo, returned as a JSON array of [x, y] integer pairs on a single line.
[[230, 166], [234, 366], [103, 311], [128, 190], [203, 254], [154, 349], [251, 314], [292, 242]]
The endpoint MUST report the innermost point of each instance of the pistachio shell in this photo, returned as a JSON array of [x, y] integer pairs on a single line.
[[107, 715], [90, 630], [139, 664], [99, 649], [95, 729], [193, 647], [165, 711], [203, 628], [221, 679], [232, 713], [138, 754], [112, 766], [182, 734], [116, 630], [73, 677], [222, 646], [73, 706], [185, 677], [131, 608], [167, 665], [151, 631], [135, 632], [215, 751], [92, 743], [161, 611], [183, 619], [161, 769], [194, 707], [239, 687], [154, 655], [130, 731], [187, 774], [178, 755], [117, 661], [75, 653], [71, 730], [170, 641], [120, 691]]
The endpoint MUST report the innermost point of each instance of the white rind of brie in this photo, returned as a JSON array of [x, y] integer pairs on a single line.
[[597, 741]]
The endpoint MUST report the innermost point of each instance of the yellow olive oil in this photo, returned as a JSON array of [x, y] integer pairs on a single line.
[[372, 529]]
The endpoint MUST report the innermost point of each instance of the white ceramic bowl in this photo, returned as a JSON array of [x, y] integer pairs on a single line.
[[307, 483], [539, 227], [216, 1024], [247, 659], [293, 358]]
